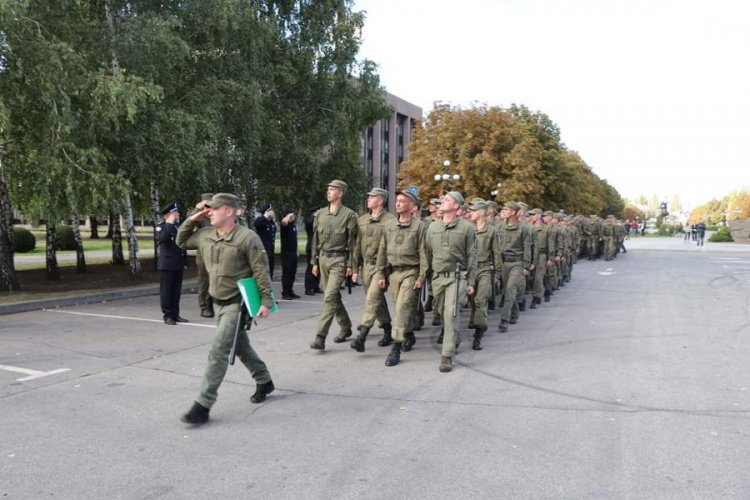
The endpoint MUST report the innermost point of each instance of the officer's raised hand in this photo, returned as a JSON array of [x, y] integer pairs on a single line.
[[199, 216]]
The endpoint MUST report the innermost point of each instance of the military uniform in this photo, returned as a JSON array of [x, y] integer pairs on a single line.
[[171, 264], [540, 258], [369, 236], [515, 246], [204, 299], [266, 229], [229, 257], [334, 239], [451, 246], [608, 233], [488, 259]]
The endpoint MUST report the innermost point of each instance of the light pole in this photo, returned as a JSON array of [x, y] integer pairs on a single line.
[[495, 192], [446, 177]]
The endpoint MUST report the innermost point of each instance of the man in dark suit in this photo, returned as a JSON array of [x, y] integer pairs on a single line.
[[265, 226], [172, 262]]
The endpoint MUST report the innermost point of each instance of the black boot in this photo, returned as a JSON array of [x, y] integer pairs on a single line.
[[522, 305], [411, 339], [319, 343], [197, 415], [547, 295], [440, 337], [428, 305], [436, 321], [261, 391], [478, 334], [358, 344], [503, 327], [394, 356], [533, 303], [387, 339], [343, 335]]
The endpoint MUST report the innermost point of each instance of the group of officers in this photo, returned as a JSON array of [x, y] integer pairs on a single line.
[[463, 255]]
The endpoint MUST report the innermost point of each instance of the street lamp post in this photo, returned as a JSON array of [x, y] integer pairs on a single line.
[[496, 192], [446, 176]]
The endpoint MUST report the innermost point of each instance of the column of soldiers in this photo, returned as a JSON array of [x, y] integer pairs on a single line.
[[462, 255]]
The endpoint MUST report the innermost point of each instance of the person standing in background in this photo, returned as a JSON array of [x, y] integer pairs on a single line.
[[265, 226], [289, 254], [171, 264]]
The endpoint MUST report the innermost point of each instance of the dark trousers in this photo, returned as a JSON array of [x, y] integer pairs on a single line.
[[170, 290], [312, 283], [270, 256], [288, 272]]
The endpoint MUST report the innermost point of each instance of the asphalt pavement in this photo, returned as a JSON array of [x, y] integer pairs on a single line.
[[631, 384]]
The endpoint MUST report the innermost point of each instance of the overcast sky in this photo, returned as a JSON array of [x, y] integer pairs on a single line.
[[653, 94]]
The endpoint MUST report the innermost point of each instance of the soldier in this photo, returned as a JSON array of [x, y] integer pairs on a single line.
[[608, 235], [565, 224], [171, 264], [451, 248], [553, 255], [434, 215], [334, 239], [525, 284], [230, 252], [488, 254], [265, 226], [402, 265], [541, 261], [515, 246], [204, 299], [418, 322], [369, 235]]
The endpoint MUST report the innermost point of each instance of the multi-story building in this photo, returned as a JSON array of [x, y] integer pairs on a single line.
[[385, 144]]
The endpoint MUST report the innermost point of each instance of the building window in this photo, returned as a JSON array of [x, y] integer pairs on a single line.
[[385, 149], [400, 126], [368, 153]]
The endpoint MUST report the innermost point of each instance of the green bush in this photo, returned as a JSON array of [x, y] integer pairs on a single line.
[[721, 235], [65, 238], [23, 240], [712, 227]]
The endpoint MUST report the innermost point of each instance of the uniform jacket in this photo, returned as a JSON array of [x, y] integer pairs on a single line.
[[171, 256], [451, 244], [403, 244], [369, 236], [335, 232]]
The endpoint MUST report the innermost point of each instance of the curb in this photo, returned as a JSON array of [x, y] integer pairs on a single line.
[[124, 293]]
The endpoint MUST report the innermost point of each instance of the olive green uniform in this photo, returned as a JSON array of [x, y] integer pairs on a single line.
[[608, 233], [334, 237], [448, 246], [236, 255], [402, 257], [370, 234], [540, 259], [488, 257], [527, 228], [553, 251], [515, 247]]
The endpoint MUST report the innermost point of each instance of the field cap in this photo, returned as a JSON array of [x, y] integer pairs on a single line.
[[377, 192], [224, 199], [339, 184]]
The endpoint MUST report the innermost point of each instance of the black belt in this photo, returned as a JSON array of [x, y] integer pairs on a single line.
[[449, 274], [405, 268], [237, 299], [331, 255], [542, 250], [512, 258]]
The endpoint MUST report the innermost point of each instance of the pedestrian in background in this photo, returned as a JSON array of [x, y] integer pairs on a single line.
[[289, 254], [171, 264], [700, 230], [312, 282], [265, 226]]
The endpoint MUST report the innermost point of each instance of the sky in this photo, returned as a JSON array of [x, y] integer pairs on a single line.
[[654, 95]]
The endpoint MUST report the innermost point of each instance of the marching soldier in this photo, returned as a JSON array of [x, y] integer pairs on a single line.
[[402, 265], [334, 238], [515, 246], [488, 259], [451, 250], [608, 235], [553, 255], [230, 252], [369, 235], [529, 229], [541, 261]]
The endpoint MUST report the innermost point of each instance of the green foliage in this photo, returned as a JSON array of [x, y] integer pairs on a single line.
[[721, 235], [23, 240], [712, 227], [65, 238]]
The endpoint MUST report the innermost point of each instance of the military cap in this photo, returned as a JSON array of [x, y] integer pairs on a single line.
[[265, 208], [491, 204], [558, 215], [523, 205], [569, 218], [207, 196], [464, 206], [378, 192], [610, 216], [224, 199], [549, 213], [536, 211], [478, 199], [478, 204], [412, 198], [512, 205], [339, 184], [435, 201], [172, 207], [593, 216], [456, 196]]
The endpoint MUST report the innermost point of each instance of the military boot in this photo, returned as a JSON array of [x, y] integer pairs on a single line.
[[343, 335], [261, 391], [436, 321], [387, 339], [197, 415], [478, 334], [394, 356], [533, 303], [503, 327], [547, 295], [319, 343], [522, 305], [428, 305], [440, 337], [411, 339], [358, 344], [446, 364]]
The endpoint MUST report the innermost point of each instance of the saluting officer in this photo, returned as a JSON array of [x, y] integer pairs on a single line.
[[171, 264], [231, 252], [334, 237], [451, 246], [265, 226]]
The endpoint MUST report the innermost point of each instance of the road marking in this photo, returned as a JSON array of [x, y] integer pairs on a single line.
[[129, 318], [32, 374]]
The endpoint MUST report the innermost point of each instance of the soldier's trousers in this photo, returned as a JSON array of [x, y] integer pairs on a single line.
[[333, 273], [444, 289], [405, 301], [592, 246], [540, 272], [481, 299], [218, 357], [204, 299], [512, 277], [609, 247], [550, 277], [565, 266], [375, 304]]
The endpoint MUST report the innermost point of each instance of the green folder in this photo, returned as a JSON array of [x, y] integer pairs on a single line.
[[251, 296]]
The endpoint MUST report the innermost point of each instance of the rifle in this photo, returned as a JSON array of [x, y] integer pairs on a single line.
[[242, 323], [458, 283], [349, 284], [492, 285]]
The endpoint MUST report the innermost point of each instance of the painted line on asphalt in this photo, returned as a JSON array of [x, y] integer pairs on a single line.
[[32, 374], [111, 316]]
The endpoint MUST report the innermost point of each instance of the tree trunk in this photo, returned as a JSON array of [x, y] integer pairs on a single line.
[[80, 257], [8, 277], [117, 256], [110, 226], [53, 270], [157, 219], [135, 260], [94, 227]]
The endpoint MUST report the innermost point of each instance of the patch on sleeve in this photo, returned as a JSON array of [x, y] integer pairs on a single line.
[[158, 228]]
